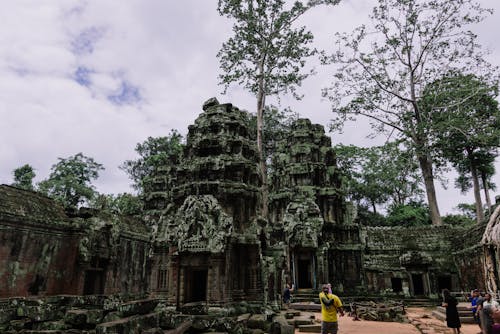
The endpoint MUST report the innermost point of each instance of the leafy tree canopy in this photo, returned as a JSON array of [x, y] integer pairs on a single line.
[[23, 177], [153, 153], [70, 180], [383, 69]]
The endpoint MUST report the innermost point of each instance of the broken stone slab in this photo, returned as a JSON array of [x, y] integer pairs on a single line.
[[258, 321], [153, 331], [51, 325], [243, 317], [180, 329], [78, 317], [299, 321], [310, 328], [280, 326], [143, 306], [306, 307], [129, 324], [172, 321]]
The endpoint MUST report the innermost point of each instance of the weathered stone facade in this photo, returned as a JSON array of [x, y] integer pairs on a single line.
[[45, 252]]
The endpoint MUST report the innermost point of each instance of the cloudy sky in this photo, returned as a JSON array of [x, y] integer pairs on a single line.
[[100, 76]]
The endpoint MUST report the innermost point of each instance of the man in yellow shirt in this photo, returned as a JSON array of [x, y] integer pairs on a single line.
[[330, 305]]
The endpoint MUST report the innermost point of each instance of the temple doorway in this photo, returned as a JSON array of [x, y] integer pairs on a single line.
[[304, 274], [95, 277], [303, 269], [418, 284], [196, 285], [94, 282]]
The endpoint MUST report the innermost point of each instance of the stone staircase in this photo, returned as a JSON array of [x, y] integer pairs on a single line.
[[302, 321], [305, 296], [463, 311]]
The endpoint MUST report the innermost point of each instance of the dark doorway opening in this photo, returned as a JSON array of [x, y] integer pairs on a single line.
[[197, 284], [94, 282], [418, 284], [304, 274], [444, 282], [397, 284]]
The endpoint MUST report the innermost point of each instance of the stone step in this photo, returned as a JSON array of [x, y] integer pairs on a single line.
[[466, 319], [306, 307], [310, 328]]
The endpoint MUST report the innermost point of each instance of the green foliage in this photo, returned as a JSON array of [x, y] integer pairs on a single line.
[[277, 127], [457, 220], [369, 218], [467, 210], [124, 204], [465, 127], [383, 69], [70, 180], [154, 152], [379, 175], [23, 177], [412, 214], [265, 46]]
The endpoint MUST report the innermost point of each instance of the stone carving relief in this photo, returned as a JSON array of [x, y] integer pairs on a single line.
[[202, 225], [303, 223]]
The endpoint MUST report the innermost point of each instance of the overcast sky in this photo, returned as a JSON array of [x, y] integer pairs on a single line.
[[98, 77]]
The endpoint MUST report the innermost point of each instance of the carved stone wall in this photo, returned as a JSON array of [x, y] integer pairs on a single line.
[[44, 252]]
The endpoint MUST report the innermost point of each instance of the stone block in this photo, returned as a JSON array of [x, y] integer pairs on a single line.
[[130, 325], [280, 326], [310, 328], [80, 318], [143, 306], [258, 321], [243, 317]]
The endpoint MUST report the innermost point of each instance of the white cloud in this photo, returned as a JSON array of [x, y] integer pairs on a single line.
[[60, 62]]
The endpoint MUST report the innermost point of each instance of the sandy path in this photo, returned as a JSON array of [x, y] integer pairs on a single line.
[[421, 322]]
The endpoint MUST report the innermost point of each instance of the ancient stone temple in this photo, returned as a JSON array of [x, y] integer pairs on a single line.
[[201, 245], [208, 240]]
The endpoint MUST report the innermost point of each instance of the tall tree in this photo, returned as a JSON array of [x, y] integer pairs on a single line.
[[266, 54], [382, 69], [153, 153], [70, 180], [23, 177], [465, 125]]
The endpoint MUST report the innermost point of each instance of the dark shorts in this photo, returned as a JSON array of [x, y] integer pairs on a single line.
[[329, 327]]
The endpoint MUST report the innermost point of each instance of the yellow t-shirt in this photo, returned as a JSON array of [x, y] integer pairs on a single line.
[[329, 313]]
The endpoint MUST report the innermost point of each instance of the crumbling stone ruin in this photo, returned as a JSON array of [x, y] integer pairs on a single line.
[[202, 249]]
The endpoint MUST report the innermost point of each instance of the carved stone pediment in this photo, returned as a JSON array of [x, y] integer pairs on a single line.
[[201, 225], [303, 223]]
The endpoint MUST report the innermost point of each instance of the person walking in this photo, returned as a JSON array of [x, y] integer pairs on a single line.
[[331, 305], [452, 317]]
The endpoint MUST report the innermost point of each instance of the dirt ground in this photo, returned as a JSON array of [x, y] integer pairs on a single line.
[[421, 321]]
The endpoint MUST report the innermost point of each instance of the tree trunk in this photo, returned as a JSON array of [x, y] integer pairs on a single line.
[[374, 208], [261, 101], [426, 168], [484, 179], [477, 192]]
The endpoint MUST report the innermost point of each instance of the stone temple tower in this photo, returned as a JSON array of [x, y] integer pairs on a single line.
[[207, 244], [308, 212]]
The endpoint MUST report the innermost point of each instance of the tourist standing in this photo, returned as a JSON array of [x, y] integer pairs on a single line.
[[287, 295], [330, 306], [475, 300], [487, 308], [452, 318]]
